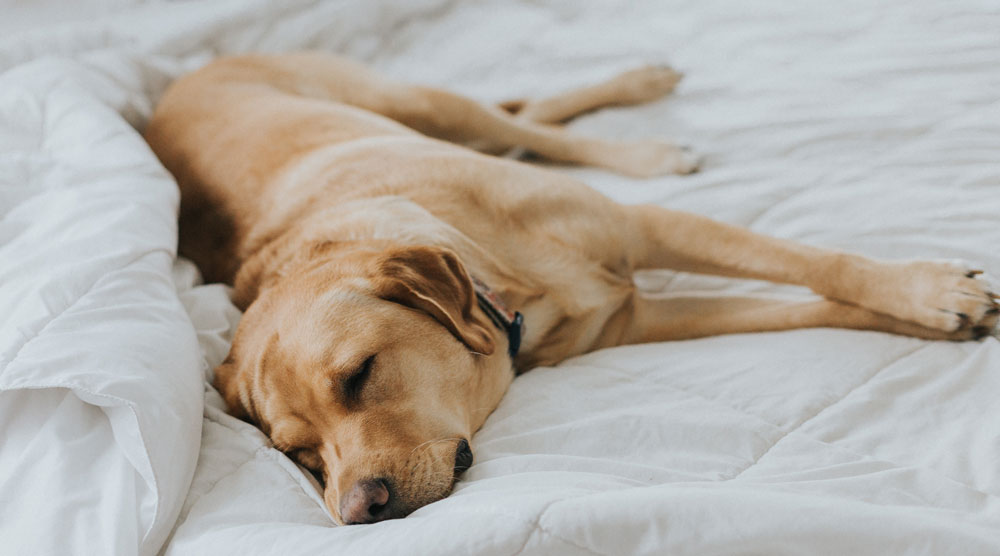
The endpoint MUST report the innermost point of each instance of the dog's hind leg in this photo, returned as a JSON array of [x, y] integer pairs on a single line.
[[636, 86], [945, 296], [633, 87], [446, 115], [455, 118]]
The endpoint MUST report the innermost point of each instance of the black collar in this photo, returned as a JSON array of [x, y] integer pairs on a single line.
[[506, 320]]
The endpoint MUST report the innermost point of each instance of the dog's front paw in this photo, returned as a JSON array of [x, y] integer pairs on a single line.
[[646, 159], [949, 295]]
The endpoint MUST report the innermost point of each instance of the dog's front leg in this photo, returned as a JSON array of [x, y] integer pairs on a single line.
[[686, 317], [946, 296]]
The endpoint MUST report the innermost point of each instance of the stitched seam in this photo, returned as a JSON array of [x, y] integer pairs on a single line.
[[264, 450], [797, 427], [825, 408], [837, 177], [633, 373], [73, 303], [892, 465], [527, 538], [181, 519], [795, 430], [537, 526], [261, 451], [273, 455]]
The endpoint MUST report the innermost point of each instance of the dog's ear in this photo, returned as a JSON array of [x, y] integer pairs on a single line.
[[433, 280]]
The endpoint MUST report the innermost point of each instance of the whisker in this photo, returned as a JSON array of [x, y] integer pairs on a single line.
[[431, 442]]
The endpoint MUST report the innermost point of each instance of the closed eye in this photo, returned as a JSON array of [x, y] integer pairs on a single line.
[[356, 382]]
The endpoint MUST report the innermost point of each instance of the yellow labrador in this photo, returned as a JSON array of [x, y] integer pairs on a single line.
[[393, 281]]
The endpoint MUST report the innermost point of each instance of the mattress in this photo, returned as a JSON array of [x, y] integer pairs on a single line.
[[856, 125]]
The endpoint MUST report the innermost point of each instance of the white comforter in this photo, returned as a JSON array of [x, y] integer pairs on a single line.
[[873, 126]]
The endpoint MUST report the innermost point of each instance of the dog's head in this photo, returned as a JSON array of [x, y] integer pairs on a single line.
[[372, 368]]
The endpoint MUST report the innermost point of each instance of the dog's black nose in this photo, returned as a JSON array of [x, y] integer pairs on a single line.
[[368, 501], [463, 456]]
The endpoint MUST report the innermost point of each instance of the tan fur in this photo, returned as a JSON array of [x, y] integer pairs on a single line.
[[316, 188]]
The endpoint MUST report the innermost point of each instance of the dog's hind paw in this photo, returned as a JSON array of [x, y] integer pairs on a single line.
[[689, 161], [646, 84], [646, 159]]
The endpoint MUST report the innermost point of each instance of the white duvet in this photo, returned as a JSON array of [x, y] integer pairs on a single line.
[[871, 126]]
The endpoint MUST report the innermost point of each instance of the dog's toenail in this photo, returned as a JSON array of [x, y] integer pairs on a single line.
[[973, 273]]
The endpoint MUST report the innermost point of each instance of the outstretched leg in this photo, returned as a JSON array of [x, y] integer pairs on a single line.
[[945, 296], [452, 117], [637, 86], [455, 118], [682, 318], [632, 87]]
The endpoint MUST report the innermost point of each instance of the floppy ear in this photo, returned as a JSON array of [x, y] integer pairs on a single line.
[[433, 280]]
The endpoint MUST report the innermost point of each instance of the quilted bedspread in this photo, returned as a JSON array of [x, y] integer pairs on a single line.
[[869, 126]]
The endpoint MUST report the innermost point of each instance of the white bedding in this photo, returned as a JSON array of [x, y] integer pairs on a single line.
[[871, 126]]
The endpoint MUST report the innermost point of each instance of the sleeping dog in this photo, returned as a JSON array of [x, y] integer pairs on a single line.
[[394, 281]]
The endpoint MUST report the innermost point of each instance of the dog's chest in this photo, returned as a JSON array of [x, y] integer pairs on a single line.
[[571, 317]]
